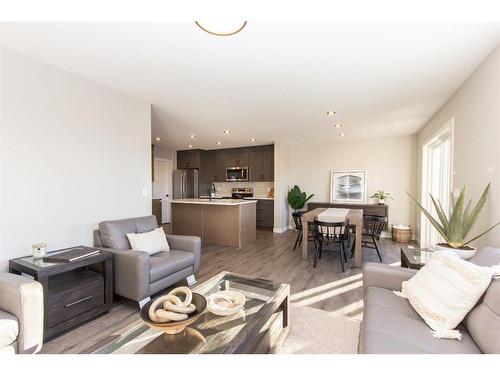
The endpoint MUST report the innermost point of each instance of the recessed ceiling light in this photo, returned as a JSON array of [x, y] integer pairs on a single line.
[[192, 136], [227, 131], [337, 125], [190, 146], [221, 28], [330, 113], [252, 139], [342, 134], [219, 143], [158, 139]]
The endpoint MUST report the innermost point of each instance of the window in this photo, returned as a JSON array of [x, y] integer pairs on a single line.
[[436, 180]]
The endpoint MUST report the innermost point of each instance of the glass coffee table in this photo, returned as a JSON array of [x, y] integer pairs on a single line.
[[414, 258], [260, 327]]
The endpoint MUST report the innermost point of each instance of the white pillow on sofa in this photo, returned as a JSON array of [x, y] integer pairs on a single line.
[[152, 242], [445, 290]]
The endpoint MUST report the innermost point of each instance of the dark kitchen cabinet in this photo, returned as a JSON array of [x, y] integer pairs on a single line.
[[221, 163], [265, 213], [211, 167], [261, 164], [236, 158], [188, 159]]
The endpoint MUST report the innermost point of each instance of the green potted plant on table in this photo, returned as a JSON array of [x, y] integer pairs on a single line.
[[382, 196], [456, 225], [297, 199]]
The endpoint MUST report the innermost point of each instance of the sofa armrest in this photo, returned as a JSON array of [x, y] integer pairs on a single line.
[[23, 298], [385, 276], [187, 243], [131, 273]]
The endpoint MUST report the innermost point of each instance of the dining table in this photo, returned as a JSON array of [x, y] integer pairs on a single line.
[[353, 217]]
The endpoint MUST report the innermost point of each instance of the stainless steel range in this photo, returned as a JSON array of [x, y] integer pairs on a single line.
[[240, 193]]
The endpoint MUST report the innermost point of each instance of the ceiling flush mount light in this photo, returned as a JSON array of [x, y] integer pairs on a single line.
[[337, 126], [221, 28], [158, 139], [219, 143], [192, 136], [190, 146], [227, 131], [330, 113], [252, 139], [342, 134]]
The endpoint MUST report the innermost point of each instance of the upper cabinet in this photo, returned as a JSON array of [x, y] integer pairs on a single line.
[[213, 163], [261, 164], [188, 159]]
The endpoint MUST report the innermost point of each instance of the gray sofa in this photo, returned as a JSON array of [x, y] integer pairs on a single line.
[[139, 275], [21, 314], [390, 324]]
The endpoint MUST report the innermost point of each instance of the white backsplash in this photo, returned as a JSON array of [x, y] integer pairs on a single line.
[[260, 189]]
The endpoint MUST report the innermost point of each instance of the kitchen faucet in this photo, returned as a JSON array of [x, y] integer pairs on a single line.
[[211, 190]]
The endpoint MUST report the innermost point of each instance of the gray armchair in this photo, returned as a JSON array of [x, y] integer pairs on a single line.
[[21, 314], [138, 275]]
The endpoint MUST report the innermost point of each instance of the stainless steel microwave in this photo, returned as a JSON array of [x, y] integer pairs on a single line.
[[237, 174]]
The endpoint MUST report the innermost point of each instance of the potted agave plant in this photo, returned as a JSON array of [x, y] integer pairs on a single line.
[[297, 199], [456, 225], [382, 196]]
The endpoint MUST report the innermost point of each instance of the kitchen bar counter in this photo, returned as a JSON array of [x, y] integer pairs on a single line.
[[228, 222], [215, 201]]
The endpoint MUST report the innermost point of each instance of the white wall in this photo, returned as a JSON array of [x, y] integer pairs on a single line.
[[389, 162], [475, 108], [72, 153], [282, 172]]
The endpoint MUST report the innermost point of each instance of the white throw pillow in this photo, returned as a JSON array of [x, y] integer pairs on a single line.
[[445, 290], [152, 242]]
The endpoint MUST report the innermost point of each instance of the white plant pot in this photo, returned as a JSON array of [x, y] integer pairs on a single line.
[[464, 254], [381, 201]]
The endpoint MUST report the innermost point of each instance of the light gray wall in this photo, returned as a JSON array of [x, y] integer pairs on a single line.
[[475, 108], [72, 153], [389, 162]]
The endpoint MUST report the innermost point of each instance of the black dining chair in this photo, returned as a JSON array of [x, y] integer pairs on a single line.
[[297, 221], [331, 233], [372, 228]]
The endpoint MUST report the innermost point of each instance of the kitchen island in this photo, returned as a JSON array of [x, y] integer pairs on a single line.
[[228, 222]]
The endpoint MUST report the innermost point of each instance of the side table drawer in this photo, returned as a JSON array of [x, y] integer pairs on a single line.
[[72, 299]]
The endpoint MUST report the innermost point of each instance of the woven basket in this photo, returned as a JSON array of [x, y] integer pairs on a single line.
[[401, 235]]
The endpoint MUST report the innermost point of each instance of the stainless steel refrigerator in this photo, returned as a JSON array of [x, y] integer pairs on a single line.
[[185, 183]]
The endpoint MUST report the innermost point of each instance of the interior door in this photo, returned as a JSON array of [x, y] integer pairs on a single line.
[[162, 186]]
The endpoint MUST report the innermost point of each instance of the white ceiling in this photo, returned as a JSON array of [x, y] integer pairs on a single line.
[[272, 81]]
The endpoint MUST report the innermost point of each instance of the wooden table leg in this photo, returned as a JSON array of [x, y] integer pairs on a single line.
[[357, 248], [304, 239]]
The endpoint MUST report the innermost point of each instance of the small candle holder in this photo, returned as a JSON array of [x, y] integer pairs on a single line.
[[39, 250]]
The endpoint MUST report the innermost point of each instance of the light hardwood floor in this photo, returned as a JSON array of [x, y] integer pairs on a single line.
[[324, 287]]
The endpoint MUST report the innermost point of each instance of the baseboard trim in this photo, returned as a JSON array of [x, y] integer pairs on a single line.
[[280, 230]]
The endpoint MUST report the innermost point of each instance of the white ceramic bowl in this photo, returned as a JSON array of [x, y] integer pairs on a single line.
[[225, 302], [464, 254]]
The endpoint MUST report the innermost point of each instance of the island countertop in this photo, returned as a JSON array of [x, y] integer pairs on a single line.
[[215, 202]]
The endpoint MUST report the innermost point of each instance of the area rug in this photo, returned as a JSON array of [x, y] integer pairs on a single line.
[[314, 331]]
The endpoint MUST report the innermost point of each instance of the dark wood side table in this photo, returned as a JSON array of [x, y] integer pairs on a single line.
[[414, 258], [73, 292]]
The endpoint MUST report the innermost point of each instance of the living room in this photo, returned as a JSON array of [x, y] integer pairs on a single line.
[[166, 203]]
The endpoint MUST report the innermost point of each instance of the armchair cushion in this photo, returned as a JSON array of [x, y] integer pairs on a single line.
[[187, 243], [9, 329], [23, 298], [114, 232], [166, 263]]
